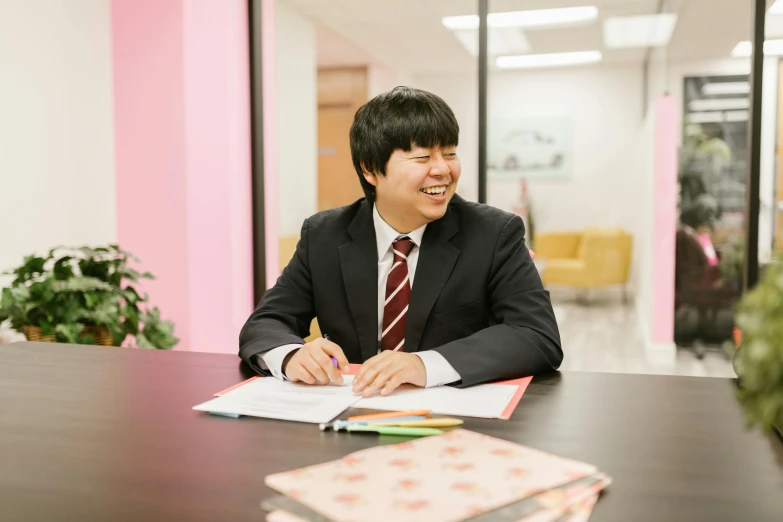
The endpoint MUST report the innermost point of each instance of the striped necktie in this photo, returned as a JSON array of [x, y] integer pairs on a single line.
[[398, 295]]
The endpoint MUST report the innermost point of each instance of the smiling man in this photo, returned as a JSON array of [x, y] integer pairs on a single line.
[[416, 283]]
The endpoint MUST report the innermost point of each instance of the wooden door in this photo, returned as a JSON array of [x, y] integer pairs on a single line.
[[340, 94]]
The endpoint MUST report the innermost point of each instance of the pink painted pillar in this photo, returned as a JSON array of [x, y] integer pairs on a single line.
[[182, 127], [665, 220]]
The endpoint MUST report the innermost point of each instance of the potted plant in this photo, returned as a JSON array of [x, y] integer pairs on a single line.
[[759, 360], [83, 295]]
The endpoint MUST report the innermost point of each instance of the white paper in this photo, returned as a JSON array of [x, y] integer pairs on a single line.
[[487, 401], [275, 399]]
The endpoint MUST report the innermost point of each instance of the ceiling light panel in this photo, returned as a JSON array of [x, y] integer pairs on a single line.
[[721, 88], [538, 19], [501, 40], [719, 104], [771, 48], [625, 32], [548, 60]]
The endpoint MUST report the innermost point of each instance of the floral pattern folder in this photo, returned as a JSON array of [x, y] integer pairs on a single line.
[[451, 477]]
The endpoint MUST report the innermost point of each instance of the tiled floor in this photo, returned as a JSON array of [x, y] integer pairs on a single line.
[[604, 337]]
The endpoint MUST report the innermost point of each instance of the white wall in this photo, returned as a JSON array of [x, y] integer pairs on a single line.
[[297, 116], [57, 183], [382, 78], [605, 105]]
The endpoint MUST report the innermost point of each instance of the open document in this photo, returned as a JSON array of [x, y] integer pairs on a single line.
[[275, 399], [486, 400]]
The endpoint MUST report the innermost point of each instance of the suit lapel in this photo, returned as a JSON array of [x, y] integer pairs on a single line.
[[437, 258], [359, 265]]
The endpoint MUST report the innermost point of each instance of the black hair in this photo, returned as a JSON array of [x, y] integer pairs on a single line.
[[398, 119]]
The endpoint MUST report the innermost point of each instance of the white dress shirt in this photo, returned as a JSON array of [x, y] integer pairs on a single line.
[[438, 369]]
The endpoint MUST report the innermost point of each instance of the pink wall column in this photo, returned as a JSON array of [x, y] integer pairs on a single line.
[[665, 220], [181, 89]]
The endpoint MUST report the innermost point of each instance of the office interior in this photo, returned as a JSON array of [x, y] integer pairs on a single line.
[[638, 140], [199, 139]]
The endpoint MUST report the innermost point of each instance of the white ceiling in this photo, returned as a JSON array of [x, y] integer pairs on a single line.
[[408, 34]]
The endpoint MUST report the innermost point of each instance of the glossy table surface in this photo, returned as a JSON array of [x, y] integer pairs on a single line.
[[108, 434]]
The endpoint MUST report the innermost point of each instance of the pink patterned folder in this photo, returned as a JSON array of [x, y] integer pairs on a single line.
[[447, 478]]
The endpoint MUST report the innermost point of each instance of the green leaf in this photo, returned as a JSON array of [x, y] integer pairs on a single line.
[[759, 360], [143, 342]]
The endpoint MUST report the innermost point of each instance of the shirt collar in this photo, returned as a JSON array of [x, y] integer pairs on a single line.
[[385, 235]]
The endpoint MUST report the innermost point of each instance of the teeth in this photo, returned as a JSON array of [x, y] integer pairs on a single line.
[[434, 190]]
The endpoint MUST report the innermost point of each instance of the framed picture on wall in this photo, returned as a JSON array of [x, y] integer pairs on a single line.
[[533, 147]]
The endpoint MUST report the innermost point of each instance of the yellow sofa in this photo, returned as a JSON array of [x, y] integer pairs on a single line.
[[287, 249], [593, 258]]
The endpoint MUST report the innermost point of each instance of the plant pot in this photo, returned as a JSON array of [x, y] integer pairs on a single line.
[[35, 334], [100, 335]]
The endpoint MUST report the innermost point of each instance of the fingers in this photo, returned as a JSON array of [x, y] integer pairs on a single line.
[[335, 351], [315, 369], [394, 383], [376, 372], [325, 363], [369, 371], [312, 363], [298, 373], [381, 380]]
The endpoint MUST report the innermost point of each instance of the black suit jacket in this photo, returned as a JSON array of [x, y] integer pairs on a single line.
[[477, 297]]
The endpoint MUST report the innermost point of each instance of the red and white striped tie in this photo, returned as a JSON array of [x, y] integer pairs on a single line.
[[398, 295]]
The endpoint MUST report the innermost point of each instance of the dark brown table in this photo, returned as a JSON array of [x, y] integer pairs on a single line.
[[108, 434]]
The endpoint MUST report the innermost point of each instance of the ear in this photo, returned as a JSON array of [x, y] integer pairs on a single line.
[[370, 177]]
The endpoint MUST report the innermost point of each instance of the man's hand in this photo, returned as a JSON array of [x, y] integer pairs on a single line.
[[387, 370], [311, 363]]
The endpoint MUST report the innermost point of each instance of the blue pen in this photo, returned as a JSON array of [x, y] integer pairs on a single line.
[[340, 424]]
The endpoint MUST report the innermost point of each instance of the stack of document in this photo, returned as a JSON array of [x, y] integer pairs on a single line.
[[274, 399], [460, 475]]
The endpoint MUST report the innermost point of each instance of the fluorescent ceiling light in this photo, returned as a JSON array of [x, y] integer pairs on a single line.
[[548, 60], [501, 40], [718, 117], [719, 104], [715, 89], [705, 117], [773, 28], [776, 8], [737, 115], [622, 32], [538, 19], [745, 48]]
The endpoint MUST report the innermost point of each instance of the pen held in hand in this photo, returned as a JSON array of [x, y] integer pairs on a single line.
[[334, 361]]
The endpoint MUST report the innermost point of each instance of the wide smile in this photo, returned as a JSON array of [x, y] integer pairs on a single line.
[[436, 192]]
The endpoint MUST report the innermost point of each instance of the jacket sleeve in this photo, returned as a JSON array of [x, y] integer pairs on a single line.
[[285, 312], [523, 338]]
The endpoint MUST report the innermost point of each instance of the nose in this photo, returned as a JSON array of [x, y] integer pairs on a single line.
[[439, 166]]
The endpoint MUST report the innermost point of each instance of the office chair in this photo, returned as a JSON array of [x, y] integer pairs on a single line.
[[703, 302]]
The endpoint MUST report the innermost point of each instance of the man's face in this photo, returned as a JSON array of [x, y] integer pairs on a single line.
[[417, 187]]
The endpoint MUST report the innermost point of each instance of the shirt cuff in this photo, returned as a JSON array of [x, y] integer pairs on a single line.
[[274, 359], [439, 371]]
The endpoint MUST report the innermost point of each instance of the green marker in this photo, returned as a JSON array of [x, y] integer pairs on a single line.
[[395, 430]]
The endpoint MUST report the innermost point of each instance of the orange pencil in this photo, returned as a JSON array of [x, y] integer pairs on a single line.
[[390, 414]]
